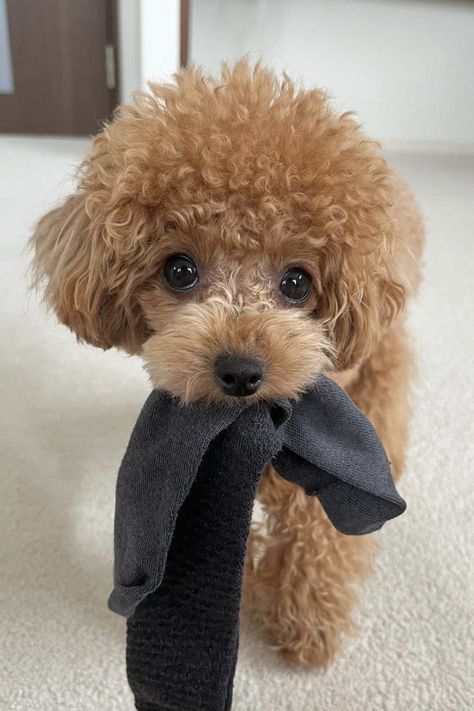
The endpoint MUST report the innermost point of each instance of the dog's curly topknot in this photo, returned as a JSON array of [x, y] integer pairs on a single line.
[[275, 161]]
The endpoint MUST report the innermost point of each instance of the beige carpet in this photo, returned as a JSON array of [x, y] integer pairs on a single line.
[[66, 413]]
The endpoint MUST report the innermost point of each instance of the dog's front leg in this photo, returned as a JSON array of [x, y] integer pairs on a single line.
[[302, 574]]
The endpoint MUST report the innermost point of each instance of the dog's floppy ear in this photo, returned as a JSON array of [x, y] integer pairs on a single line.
[[361, 300], [84, 268], [367, 268]]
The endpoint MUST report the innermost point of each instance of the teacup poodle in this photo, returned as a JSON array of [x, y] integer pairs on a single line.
[[241, 237]]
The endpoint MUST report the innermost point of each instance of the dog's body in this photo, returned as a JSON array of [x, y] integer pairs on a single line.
[[242, 238]]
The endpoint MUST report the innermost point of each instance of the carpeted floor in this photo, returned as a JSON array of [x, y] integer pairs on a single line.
[[66, 413]]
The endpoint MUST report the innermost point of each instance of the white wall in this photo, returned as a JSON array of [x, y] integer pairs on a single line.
[[405, 66], [129, 43], [148, 42], [159, 27]]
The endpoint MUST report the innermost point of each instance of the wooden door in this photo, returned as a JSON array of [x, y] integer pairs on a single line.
[[63, 57]]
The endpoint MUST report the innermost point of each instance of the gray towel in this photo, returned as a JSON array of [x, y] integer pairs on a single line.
[[184, 501]]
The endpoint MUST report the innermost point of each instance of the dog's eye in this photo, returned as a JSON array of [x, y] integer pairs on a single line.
[[295, 285], [180, 272]]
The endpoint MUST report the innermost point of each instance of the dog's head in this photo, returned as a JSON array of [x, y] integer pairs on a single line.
[[236, 232]]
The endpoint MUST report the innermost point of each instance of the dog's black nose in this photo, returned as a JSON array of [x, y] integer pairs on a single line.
[[238, 375]]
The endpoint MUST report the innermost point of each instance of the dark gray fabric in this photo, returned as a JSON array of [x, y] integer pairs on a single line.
[[156, 474], [331, 449], [184, 500], [182, 639]]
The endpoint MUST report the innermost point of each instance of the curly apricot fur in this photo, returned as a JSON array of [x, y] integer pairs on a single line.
[[249, 174]]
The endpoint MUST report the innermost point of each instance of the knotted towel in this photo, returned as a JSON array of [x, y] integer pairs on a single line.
[[184, 501]]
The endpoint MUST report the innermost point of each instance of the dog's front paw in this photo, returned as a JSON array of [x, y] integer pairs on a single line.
[[302, 578], [306, 625]]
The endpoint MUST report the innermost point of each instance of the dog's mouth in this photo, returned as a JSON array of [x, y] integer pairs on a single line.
[[207, 354]]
